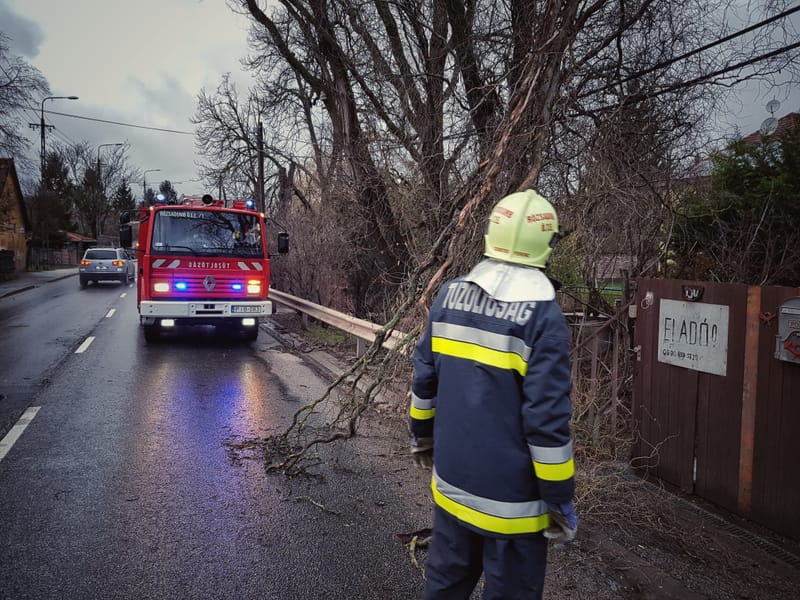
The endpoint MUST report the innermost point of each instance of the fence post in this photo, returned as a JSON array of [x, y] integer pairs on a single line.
[[594, 400], [749, 388], [615, 380]]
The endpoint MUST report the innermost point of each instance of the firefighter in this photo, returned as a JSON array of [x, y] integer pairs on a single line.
[[490, 410]]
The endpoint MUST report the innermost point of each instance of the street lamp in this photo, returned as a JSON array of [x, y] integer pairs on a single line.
[[144, 181], [42, 125]]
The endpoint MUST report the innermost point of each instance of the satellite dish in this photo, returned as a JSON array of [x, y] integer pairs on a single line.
[[773, 106], [769, 126]]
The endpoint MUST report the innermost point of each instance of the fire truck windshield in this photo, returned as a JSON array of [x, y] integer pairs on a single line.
[[207, 233]]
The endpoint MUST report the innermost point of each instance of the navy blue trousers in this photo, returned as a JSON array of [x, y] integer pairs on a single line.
[[513, 568]]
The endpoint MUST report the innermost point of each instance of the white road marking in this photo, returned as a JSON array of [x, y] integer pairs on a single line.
[[16, 431], [111, 313], [86, 343], [123, 295]]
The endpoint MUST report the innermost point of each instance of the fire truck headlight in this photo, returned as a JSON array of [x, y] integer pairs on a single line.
[[160, 286], [248, 322], [253, 286]]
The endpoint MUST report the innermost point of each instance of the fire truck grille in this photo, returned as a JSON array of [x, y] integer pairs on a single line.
[[209, 287]]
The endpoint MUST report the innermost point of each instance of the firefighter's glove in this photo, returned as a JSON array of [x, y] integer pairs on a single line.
[[563, 523], [422, 452]]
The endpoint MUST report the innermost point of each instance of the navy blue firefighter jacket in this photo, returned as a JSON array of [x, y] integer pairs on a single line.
[[491, 386]]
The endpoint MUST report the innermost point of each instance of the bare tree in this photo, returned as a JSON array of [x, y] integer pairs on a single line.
[[21, 87], [95, 179], [454, 103], [226, 137]]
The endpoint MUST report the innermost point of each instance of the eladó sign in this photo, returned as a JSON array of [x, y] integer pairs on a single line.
[[693, 335]]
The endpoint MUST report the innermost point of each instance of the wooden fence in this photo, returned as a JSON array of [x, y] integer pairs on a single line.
[[715, 412]]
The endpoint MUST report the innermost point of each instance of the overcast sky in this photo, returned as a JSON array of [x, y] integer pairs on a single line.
[[140, 62], [143, 62]]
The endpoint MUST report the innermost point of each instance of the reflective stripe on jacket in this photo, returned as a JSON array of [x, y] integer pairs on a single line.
[[491, 386]]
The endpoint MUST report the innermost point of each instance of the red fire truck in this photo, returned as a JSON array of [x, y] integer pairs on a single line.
[[200, 262]]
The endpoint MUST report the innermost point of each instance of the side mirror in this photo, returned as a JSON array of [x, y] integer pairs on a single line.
[[283, 242]]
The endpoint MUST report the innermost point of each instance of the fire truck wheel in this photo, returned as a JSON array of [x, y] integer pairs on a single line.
[[151, 333]]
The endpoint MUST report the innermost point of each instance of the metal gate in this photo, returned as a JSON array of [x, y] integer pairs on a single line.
[[716, 413]]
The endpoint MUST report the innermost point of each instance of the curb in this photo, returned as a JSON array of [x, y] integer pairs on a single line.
[[16, 291], [31, 286], [321, 361]]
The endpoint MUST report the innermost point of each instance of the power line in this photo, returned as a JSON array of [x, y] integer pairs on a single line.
[[31, 111], [690, 53], [34, 111], [660, 65], [63, 137], [723, 71], [636, 75], [51, 112]]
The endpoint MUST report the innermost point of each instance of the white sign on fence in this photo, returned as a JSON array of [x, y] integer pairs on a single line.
[[693, 335]]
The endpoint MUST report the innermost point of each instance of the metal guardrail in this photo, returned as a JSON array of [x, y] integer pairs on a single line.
[[362, 330]]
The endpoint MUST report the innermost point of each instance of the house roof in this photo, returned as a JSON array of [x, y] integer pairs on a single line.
[[700, 171], [611, 266], [7, 170], [77, 237], [785, 123]]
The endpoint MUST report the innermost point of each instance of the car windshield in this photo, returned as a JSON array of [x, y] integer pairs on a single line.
[[101, 254], [207, 233]]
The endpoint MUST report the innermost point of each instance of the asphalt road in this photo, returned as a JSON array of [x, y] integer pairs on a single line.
[[131, 480], [137, 477], [41, 327]]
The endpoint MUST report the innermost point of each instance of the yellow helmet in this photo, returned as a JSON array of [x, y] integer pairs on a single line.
[[522, 230]]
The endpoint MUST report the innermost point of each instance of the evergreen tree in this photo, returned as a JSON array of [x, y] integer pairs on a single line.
[[90, 201], [746, 229], [50, 208], [123, 197], [169, 192]]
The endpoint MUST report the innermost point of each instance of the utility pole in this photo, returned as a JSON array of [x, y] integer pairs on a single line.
[[43, 127], [42, 153]]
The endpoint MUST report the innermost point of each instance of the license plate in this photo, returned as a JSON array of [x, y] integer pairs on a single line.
[[246, 309]]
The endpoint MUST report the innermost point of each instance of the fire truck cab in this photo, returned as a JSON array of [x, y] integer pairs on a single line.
[[200, 262]]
